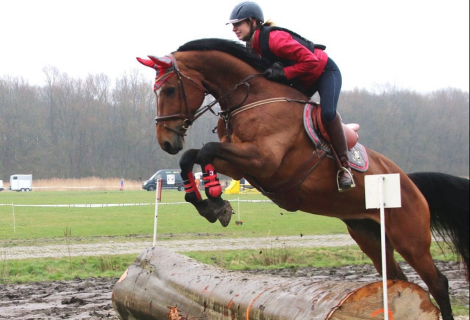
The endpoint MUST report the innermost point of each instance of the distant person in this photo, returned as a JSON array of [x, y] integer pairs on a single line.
[[242, 183], [297, 61], [122, 185], [198, 180]]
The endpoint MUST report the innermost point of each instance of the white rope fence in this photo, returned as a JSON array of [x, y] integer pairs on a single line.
[[106, 205], [91, 187]]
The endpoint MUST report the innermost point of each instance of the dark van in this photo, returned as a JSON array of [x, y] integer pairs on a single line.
[[171, 179]]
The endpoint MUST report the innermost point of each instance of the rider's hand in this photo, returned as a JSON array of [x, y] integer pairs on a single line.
[[275, 73]]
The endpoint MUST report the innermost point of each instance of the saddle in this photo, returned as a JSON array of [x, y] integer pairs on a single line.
[[317, 133]]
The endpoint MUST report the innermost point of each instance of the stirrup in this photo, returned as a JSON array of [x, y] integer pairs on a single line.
[[347, 171]]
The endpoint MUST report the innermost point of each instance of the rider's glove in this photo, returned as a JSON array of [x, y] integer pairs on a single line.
[[275, 73]]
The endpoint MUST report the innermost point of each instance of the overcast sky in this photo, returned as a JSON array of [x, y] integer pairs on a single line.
[[421, 45]]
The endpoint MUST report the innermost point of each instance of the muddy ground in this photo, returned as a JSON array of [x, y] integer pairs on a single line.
[[91, 298]]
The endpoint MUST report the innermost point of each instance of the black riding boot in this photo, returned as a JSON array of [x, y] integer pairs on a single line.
[[338, 142]]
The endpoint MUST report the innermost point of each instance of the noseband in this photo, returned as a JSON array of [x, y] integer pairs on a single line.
[[186, 115]]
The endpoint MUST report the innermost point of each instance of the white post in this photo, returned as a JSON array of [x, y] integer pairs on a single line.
[[382, 237], [14, 221], [158, 196], [238, 209], [383, 191]]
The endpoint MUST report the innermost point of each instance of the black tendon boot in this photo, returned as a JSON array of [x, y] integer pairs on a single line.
[[338, 142]]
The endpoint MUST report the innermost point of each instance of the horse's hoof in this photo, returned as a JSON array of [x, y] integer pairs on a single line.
[[224, 214], [205, 209]]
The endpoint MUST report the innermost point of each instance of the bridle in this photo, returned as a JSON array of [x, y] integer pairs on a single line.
[[186, 115]]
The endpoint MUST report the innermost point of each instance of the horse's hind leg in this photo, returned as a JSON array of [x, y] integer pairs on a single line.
[[409, 232], [418, 255], [366, 233], [208, 208], [412, 243]]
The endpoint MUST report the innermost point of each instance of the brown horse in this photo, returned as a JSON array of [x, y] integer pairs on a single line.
[[263, 140]]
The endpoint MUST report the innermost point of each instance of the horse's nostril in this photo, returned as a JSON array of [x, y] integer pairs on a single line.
[[170, 146], [167, 146]]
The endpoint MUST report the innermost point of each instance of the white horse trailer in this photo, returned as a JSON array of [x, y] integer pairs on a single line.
[[21, 182]]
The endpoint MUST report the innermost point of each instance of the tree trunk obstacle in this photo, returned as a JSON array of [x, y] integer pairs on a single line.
[[163, 285]]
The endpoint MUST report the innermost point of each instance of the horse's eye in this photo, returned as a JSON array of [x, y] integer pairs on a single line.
[[169, 91]]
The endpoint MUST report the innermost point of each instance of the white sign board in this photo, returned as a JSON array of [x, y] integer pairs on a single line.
[[391, 191], [170, 179]]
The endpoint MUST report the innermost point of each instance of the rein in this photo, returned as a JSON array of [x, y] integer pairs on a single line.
[[229, 113], [225, 115], [187, 117]]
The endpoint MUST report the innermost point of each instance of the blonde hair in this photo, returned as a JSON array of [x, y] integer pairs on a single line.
[[260, 24], [269, 23]]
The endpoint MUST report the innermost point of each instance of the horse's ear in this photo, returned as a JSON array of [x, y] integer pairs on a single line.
[[147, 63], [164, 62], [159, 64], [164, 67]]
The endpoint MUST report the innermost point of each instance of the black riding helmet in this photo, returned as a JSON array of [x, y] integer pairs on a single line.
[[246, 10]]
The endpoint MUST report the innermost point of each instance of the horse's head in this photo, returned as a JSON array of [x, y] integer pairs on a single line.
[[179, 95], [220, 67]]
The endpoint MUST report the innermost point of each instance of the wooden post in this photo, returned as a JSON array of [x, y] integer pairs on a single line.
[[162, 285]]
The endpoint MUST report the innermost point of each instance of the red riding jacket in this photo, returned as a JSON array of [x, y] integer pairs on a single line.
[[308, 66]]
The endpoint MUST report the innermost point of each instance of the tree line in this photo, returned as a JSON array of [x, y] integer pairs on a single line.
[[73, 128]]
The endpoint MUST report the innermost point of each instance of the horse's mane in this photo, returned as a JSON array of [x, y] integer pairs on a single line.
[[231, 47]]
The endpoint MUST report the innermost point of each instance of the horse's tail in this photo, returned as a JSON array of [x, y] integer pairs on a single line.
[[448, 200]]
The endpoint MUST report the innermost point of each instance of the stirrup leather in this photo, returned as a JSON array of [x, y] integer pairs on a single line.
[[347, 171]]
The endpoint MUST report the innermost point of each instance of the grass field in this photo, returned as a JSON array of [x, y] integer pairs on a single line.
[[45, 225], [31, 225], [259, 219], [67, 268]]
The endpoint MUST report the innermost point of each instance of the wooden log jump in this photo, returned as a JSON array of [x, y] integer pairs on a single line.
[[163, 285]]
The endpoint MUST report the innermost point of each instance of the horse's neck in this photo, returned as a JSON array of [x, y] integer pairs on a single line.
[[222, 73]]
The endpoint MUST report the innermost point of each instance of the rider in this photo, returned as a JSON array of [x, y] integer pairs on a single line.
[[309, 70]]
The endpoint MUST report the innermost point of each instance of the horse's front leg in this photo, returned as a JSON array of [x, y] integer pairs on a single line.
[[186, 164], [241, 157], [213, 208]]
